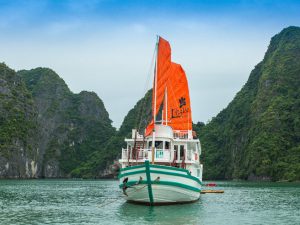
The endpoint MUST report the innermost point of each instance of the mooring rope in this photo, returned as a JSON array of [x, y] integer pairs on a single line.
[[120, 197], [137, 189], [106, 204]]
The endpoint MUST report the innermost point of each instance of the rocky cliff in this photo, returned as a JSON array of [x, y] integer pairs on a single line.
[[105, 164], [257, 136], [18, 128], [72, 127], [46, 130]]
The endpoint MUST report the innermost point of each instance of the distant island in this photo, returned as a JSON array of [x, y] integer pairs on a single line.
[[46, 131]]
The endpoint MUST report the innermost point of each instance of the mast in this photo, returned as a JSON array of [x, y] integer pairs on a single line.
[[164, 113], [188, 121], [155, 90], [155, 80], [166, 109]]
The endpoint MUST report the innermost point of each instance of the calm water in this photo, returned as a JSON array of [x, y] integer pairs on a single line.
[[97, 202]]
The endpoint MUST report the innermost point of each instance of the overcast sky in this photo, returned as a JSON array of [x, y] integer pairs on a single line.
[[106, 46]]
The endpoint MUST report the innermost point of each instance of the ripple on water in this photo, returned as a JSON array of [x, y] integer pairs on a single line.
[[99, 202]]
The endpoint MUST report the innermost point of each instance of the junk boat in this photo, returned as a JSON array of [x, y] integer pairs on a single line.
[[161, 165]]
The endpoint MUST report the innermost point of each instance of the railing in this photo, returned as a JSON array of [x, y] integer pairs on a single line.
[[183, 134], [160, 155]]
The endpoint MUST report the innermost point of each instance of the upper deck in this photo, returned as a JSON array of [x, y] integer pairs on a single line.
[[171, 147]]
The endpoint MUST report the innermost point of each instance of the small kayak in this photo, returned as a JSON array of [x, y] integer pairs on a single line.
[[211, 185]]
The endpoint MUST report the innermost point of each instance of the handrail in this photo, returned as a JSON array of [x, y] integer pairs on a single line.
[[183, 134], [166, 155]]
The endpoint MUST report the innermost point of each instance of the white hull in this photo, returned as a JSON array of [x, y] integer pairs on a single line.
[[162, 194], [168, 185]]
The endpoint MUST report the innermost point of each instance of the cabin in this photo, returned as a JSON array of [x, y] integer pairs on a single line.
[[172, 148]]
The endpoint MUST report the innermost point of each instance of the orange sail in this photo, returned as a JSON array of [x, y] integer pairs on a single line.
[[160, 80], [170, 88], [179, 115]]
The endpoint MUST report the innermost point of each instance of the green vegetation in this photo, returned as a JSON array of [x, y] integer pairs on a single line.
[[73, 127], [138, 117], [258, 135], [17, 115]]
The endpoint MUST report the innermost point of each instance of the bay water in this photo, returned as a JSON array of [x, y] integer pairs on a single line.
[[101, 202]]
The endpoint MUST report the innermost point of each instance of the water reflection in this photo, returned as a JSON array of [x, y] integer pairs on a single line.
[[173, 214]]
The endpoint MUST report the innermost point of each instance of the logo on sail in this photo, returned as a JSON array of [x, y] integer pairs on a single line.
[[176, 113], [182, 102]]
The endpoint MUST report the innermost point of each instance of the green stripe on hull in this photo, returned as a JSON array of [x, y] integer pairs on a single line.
[[160, 172], [149, 182], [131, 173], [168, 183], [176, 174], [170, 168], [155, 166], [132, 167]]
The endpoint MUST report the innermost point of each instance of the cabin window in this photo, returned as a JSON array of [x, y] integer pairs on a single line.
[[181, 152], [167, 145], [175, 152], [176, 148], [189, 155], [198, 148], [150, 144], [159, 144], [191, 146]]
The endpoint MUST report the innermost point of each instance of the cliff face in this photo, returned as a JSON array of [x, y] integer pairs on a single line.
[[18, 128], [105, 164], [257, 136], [72, 127], [46, 130]]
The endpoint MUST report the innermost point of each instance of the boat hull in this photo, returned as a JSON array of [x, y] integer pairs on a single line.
[[158, 185]]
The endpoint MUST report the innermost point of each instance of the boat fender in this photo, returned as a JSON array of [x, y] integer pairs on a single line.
[[125, 186], [139, 181], [125, 181], [157, 179]]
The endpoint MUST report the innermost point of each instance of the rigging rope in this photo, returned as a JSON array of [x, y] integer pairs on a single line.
[[120, 197], [140, 115]]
